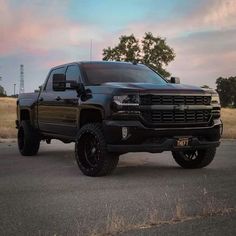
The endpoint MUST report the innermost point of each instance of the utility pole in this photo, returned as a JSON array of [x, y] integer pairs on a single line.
[[0, 76], [14, 90], [22, 87]]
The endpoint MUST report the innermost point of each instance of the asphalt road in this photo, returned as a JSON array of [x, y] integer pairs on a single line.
[[148, 194]]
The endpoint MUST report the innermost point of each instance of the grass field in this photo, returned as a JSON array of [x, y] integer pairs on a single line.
[[8, 116], [229, 121]]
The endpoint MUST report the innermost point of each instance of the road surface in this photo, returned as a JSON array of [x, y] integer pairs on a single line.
[[148, 194]]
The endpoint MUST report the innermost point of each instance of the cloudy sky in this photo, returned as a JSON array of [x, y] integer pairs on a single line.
[[41, 34]]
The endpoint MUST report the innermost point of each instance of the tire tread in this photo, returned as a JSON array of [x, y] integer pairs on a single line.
[[206, 156], [109, 161], [31, 139]]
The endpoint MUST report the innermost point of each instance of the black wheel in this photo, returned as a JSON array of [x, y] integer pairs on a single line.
[[28, 139], [90, 151], [193, 159]]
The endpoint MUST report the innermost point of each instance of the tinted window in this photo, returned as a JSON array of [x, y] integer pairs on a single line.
[[98, 73], [72, 73], [60, 70]]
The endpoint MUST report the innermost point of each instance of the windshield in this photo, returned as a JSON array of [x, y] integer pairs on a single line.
[[99, 73]]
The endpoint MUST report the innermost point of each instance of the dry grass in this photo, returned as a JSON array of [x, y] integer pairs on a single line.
[[116, 223], [209, 206], [179, 211], [8, 116], [229, 121]]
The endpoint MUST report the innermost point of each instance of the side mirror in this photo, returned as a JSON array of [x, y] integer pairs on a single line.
[[40, 88], [175, 80], [59, 82]]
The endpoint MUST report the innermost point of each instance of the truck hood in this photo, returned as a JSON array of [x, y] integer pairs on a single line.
[[144, 88]]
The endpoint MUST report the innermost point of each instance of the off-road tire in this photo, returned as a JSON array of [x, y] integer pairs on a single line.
[[97, 162], [28, 139], [202, 158]]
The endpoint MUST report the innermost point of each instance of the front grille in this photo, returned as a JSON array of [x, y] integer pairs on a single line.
[[151, 99], [176, 117]]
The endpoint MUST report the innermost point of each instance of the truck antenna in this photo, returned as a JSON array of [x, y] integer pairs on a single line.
[[91, 49]]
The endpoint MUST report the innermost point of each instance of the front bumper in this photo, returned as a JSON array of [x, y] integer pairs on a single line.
[[155, 140]]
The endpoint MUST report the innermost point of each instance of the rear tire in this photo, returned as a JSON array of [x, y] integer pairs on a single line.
[[28, 139], [91, 153], [193, 159]]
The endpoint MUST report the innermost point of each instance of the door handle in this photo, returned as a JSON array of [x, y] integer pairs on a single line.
[[41, 99], [58, 98]]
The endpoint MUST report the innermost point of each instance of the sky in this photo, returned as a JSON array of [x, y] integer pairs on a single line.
[[41, 34]]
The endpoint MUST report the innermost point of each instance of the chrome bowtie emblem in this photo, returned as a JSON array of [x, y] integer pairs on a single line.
[[181, 107]]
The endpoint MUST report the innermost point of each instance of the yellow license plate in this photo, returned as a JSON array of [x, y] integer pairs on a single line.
[[182, 142]]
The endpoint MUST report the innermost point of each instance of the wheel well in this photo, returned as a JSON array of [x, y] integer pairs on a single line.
[[24, 115], [90, 116]]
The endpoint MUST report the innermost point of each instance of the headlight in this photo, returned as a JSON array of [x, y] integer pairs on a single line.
[[215, 99], [128, 100]]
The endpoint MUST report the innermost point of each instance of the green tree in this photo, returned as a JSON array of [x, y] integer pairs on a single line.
[[127, 50], [232, 81], [151, 51], [226, 88], [2, 92]]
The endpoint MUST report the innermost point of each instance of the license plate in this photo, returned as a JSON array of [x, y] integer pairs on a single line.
[[182, 142]]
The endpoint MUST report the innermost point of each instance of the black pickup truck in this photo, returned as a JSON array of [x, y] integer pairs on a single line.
[[111, 108]]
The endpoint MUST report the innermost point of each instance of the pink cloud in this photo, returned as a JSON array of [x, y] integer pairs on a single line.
[[44, 32], [211, 14], [221, 14], [203, 38], [29, 30], [24, 32]]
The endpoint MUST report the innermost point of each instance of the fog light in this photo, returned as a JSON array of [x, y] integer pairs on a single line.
[[124, 132]]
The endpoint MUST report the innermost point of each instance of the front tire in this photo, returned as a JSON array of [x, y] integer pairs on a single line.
[[28, 139], [91, 154], [193, 159]]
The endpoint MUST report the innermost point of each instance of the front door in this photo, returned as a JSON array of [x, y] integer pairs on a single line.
[[58, 110], [47, 105], [66, 110]]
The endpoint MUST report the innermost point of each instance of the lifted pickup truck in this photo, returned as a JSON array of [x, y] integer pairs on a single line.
[[111, 108]]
